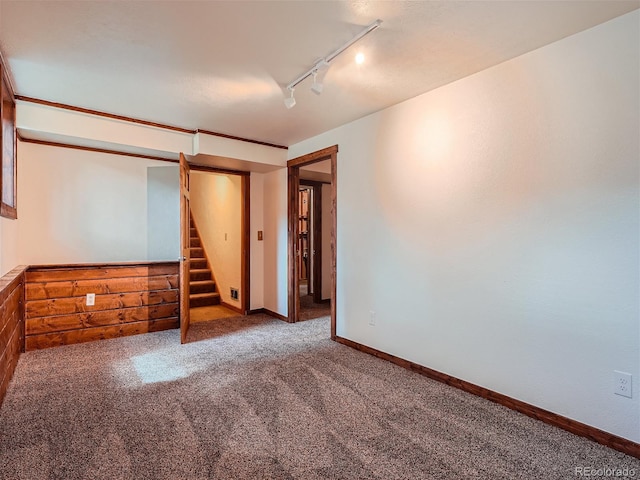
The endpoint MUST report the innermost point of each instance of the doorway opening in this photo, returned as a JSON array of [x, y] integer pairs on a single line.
[[215, 244], [312, 236]]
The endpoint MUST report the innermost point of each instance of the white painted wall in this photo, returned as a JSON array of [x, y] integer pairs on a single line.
[[76, 206], [275, 242], [216, 205], [163, 213], [256, 213], [501, 219], [326, 241]]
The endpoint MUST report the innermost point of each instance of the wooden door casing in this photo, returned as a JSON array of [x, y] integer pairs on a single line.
[[185, 258]]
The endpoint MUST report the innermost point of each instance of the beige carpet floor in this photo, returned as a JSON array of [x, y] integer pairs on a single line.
[[310, 310], [257, 398]]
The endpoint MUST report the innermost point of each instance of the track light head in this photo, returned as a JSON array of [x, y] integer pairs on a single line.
[[290, 102], [316, 86]]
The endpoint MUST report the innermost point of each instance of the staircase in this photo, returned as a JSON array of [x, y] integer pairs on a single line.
[[202, 288]]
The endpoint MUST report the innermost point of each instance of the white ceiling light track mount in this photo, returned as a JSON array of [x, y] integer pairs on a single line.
[[322, 65]]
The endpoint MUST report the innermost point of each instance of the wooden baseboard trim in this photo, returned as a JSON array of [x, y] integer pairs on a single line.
[[266, 311], [232, 307], [572, 426]]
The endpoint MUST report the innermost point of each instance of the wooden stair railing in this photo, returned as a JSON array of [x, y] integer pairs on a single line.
[[202, 287]]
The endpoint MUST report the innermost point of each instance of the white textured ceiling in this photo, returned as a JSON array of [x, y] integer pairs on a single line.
[[222, 66]]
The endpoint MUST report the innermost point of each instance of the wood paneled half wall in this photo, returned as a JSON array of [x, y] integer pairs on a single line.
[[129, 299], [11, 325]]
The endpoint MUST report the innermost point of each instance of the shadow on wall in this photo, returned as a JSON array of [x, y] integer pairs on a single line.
[[163, 213]]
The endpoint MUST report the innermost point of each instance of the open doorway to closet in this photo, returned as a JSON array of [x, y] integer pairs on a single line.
[[218, 244], [312, 236]]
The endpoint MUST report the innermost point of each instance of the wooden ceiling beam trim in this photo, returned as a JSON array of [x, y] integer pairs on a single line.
[[95, 149], [98, 113], [232, 137], [138, 121]]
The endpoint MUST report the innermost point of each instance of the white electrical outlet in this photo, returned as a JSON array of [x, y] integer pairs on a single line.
[[622, 383], [91, 299], [372, 318]]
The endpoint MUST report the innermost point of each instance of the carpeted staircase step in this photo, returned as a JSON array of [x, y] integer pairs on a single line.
[[203, 286], [204, 299], [198, 263], [197, 274]]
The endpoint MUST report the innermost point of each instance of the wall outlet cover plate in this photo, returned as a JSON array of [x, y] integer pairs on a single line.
[[622, 383]]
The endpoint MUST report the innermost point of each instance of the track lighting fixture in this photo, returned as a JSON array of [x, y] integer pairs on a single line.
[[323, 64], [316, 86], [290, 102]]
